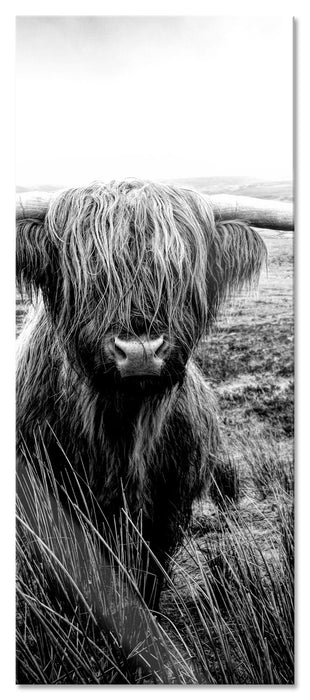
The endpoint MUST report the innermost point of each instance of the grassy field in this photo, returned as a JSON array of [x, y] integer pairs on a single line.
[[227, 614]]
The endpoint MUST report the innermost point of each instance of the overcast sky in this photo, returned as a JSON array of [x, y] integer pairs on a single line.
[[152, 97]]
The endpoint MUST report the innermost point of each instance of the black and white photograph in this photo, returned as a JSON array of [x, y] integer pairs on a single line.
[[155, 525]]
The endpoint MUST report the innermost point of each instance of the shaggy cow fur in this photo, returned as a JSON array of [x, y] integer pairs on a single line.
[[128, 260]]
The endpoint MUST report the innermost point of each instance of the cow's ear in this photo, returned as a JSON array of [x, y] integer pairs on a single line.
[[236, 253], [36, 257]]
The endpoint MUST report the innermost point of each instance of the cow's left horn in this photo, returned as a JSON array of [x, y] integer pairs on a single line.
[[32, 205]]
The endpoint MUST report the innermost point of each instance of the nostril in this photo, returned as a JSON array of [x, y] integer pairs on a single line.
[[120, 354], [162, 350]]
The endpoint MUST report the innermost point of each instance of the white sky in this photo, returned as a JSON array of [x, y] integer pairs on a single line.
[[154, 97]]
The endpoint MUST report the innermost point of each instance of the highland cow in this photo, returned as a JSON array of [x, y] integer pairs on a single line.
[[125, 280]]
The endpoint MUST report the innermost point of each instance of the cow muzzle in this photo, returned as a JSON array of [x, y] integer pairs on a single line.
[[140, 356]]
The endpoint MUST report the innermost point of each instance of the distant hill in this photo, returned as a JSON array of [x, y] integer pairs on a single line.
[[39, 188], [251, 187]]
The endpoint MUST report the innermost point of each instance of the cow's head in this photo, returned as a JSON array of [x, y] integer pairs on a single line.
[[132, 274]]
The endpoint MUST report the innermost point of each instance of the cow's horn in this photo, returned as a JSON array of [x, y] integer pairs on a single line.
[[262, 213]]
